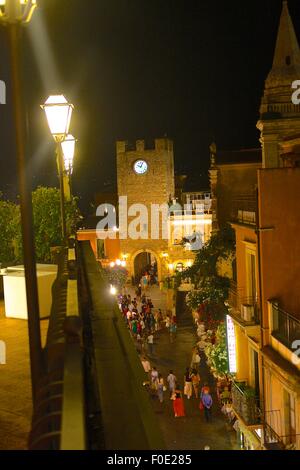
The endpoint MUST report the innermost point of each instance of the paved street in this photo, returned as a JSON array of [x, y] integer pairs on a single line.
[[191, 432], [15, 385]]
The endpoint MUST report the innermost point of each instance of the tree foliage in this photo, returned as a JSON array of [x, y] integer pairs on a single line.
[[211, 289], [47, 225], [217, 355], [9, 227], [47, 220]]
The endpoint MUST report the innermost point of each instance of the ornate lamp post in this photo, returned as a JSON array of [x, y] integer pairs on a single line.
[[58, 113], [13, 14]]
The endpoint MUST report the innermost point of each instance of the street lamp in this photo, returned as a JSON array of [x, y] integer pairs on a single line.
[[14, 13], [58, 113], [17, 10], [68, 149]]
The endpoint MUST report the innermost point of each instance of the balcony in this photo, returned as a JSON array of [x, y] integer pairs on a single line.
[[244, 209], [286, 327], [245, 403], [275, 440], [244, 309]]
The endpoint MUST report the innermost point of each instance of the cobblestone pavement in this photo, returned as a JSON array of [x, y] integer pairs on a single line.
[[191, 432], [15, 385]]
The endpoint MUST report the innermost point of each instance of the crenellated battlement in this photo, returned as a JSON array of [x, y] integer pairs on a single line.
[[164, 143]]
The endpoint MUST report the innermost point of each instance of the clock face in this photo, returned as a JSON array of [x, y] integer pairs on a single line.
[[140, 167]]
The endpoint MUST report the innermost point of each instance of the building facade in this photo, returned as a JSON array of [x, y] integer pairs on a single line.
[[264, 301]]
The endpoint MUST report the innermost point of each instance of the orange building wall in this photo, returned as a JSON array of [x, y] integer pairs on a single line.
[[112, 246], [90, 235], [233, 180], [279, 206], [243, 234]]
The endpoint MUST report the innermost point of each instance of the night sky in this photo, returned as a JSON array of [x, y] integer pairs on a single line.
[[193, 70]]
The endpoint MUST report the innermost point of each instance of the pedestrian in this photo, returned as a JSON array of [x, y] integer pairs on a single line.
[[171, 379], [150, 341], [196, 359], [160, 318], [160, 388], [178, 405], [188, 390], [146, 365], [195, 381], [207, 402], [154, 379], [204, 389], [139, 343]]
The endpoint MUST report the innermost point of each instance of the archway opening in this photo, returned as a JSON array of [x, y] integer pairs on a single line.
[[145, 264]]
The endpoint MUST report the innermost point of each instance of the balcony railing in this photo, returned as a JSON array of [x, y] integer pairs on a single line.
[[286, 327], [244, 209], [274, 440], [244, 309], [245, 403]]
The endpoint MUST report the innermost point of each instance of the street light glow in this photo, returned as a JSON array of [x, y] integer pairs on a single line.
[[68, 148], [113, 290], [58, 113]]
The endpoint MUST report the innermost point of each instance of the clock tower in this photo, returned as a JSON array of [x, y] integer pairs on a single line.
[[145, 177]]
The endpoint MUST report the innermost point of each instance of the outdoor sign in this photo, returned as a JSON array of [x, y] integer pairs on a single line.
[[231, 344]]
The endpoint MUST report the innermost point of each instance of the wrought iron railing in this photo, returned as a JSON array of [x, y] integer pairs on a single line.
[[273, 437], [286, 327], [245, 309], [245, 403]]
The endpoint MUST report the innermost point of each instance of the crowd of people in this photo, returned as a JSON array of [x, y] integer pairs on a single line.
[[191, 386], [144, 321]]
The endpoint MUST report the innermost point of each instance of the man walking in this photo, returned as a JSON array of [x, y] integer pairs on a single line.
[[150, 341], [171, 379], [207, 404]]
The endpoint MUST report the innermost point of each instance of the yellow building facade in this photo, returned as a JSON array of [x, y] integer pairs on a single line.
[[264, 300]]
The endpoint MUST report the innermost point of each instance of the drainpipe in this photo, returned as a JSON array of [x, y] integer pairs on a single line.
[[257, 231]]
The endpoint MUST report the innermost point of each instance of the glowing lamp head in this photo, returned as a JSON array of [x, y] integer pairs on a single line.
[[113, 290], [112, 264], [17, 11], [58, 113], [68, 148], [118, 262], [123, 264], [171, 266]]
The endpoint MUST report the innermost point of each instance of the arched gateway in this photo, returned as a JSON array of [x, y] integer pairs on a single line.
[[144, 261]]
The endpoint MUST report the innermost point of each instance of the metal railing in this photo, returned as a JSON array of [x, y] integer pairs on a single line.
[[286, 327], [243, 308], [244, 209], [273, 439], [245, 403]]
